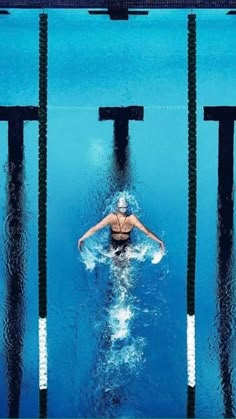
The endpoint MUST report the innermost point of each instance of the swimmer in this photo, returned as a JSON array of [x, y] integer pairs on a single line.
[[121, 225]]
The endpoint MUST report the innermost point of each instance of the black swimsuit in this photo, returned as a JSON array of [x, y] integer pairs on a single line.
[[120, 245]]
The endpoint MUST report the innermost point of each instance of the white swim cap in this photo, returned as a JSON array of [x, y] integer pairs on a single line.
[[122, 203]]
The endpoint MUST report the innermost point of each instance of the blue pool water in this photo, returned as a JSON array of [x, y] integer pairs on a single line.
[[117, 333]]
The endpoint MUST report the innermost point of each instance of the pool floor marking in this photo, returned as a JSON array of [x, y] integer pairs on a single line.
[[118, 11], [225, 117], [16, 116], [191, 349], [121, 117], [43, 353], [15, 250]]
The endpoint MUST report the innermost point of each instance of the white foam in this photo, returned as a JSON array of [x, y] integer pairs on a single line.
[[97, 254], [157, 256], [88, 258], [119, 320]]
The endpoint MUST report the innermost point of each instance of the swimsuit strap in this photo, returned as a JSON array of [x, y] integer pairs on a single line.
[[121, 232]]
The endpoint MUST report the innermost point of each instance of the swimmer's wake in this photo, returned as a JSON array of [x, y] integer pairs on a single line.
[[120, 353]]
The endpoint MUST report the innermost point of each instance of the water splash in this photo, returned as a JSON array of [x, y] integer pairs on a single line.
[[94, 254], [99, 252], [119, 321]]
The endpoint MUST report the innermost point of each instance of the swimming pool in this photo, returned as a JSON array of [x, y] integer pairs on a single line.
[[116, 336]]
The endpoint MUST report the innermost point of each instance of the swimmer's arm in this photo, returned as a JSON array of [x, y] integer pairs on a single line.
[[103, 223], [145, 230]]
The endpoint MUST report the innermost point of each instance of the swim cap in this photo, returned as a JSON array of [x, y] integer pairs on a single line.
[[122, 205]]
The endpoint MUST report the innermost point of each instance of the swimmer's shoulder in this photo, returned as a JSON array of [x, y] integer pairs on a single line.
[[109, 217], [133, 219]]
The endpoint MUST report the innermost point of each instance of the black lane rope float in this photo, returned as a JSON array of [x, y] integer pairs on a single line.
[[192, 204], [42, 213]]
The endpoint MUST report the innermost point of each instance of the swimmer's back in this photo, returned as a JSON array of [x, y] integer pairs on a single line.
[[121, 224]]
